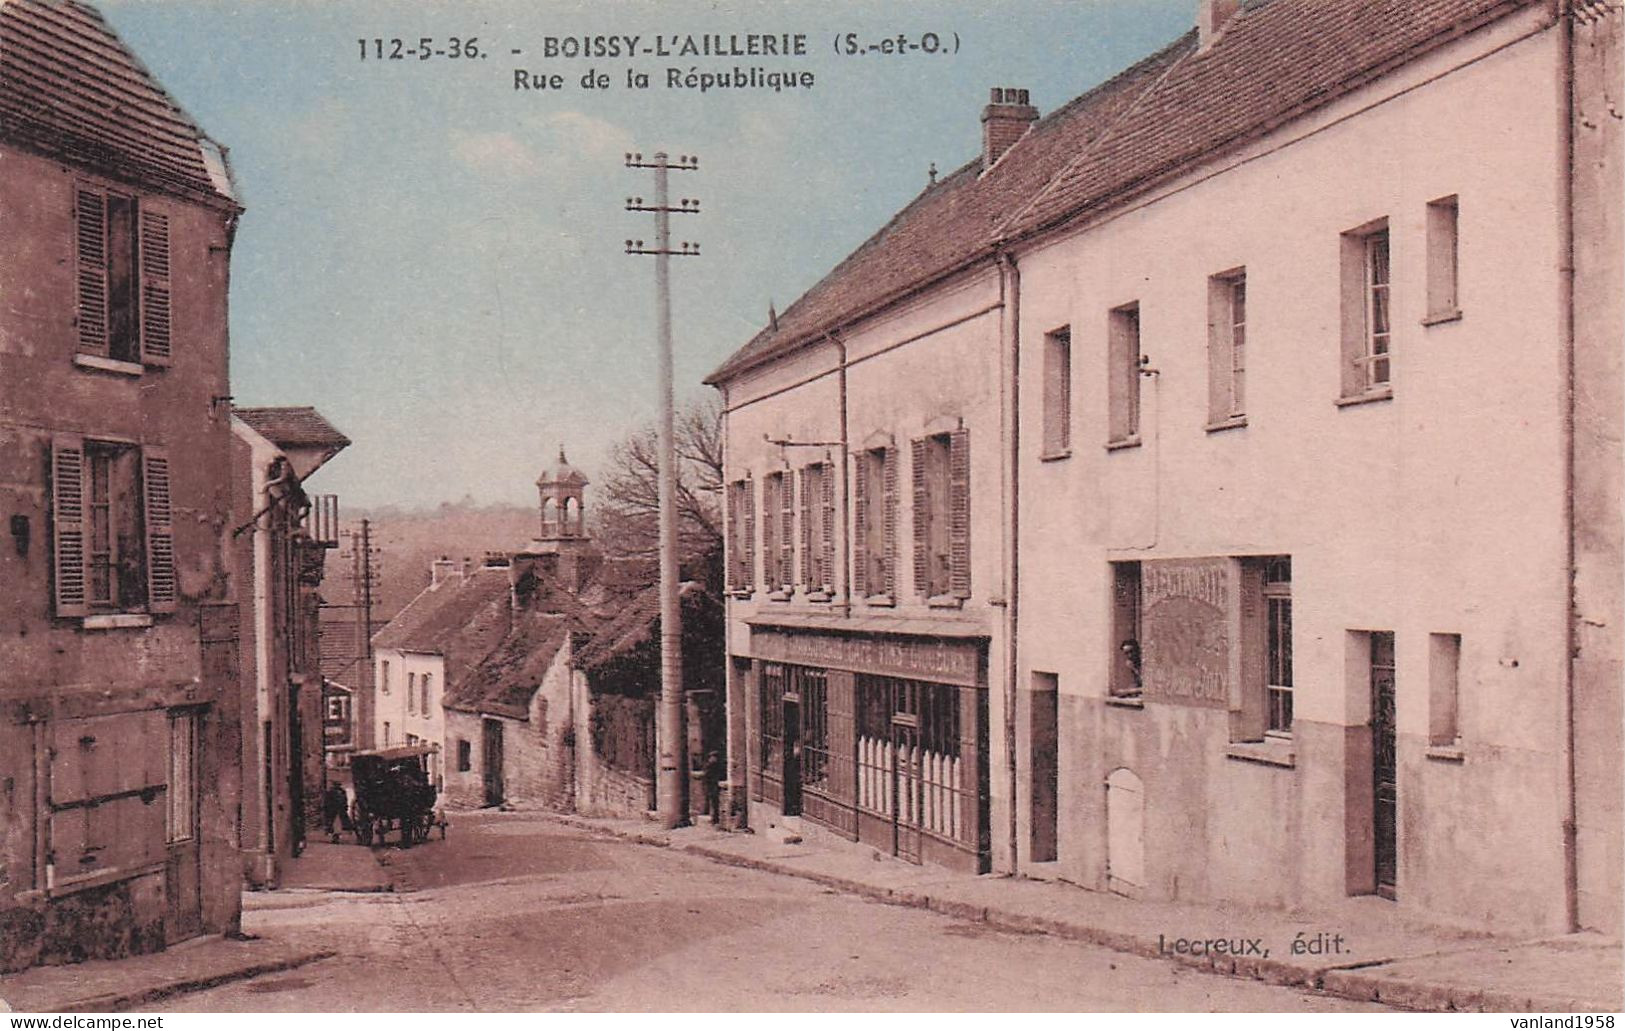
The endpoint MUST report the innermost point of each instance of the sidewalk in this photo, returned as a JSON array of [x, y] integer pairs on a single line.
[[114, 985], [107, 986], [1359, 950]]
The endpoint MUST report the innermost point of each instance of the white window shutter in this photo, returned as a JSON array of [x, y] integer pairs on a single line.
[[890, 516], [68, 524], [860, 526], [162, 589], [155, 301], [90, 232], [959, 513]]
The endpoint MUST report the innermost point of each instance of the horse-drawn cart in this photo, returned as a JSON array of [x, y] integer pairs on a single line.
[[393, 792]]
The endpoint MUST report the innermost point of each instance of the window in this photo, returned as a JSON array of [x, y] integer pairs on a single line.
[[1123, 386], [411, 691], [1443, 302], [411, 739], [113, 532], [778, 531], [423, 683], [387, 737], [1278, 645], [1125, 680], [741, 536], [383, 676], [181, 820], [465, 755], [874, 502], [1227, 348], [942, 515], [1057, 392], [122, 248], [1367, 322], [818, 528], [1444, 672]]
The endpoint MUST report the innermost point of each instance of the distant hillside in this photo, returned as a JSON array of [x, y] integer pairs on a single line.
[[406, 543]]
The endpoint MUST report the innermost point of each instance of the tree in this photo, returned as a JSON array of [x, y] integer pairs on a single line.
[[630, 498]]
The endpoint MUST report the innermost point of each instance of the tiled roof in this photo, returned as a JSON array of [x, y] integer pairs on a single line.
[[292, 427], [636, 622], [952, 222], [70, 88], [463, 619], [1275, 60], [342, 653], [505, 680]]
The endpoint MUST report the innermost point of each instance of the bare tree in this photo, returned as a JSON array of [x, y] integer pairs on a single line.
[[630, 504]]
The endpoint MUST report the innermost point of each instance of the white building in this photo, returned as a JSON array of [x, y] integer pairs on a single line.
[[1295, 546]]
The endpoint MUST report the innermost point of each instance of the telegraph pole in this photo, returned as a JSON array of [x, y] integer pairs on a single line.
[[672, 776], [361, 552]]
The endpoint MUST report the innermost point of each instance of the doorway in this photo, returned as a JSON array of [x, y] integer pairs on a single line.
[[491, 761], [183, 871], [1384, 765], [792, 755], [1125, 832]]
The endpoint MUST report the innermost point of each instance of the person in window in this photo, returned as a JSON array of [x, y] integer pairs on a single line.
[[1131, 655]]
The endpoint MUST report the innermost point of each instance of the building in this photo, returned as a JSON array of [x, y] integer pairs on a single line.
[[280, 545], [560, 713], [869, 562], [1293, 325], [119, 750]]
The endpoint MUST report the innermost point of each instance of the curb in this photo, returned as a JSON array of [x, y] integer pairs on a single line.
[[112, 1002], [1352, 983]]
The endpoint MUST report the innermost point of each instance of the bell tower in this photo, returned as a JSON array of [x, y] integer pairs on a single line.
[[563, 551], [562, 487]]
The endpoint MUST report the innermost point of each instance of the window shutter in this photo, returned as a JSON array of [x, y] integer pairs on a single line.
[[155, 309], [922, 522], [807, 575], [891, 521], [749, 579], [68, 523], [733, 580], [90, 217], [959, 512], [787, 530], [155, 488], [1218, 352], [826, 548], [860, 526]]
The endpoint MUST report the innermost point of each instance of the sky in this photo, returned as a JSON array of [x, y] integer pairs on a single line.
[[435, 259]]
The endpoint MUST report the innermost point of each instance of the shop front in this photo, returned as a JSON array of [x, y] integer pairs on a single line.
[[879, 736]]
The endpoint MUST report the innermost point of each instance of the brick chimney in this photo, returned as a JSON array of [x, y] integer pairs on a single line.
[[1005, 120], [1211, 18], [441, 570]]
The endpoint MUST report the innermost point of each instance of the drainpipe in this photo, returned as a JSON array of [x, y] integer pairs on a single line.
[[1565, 216], [845, 545], [1010, 299], [264, 483]]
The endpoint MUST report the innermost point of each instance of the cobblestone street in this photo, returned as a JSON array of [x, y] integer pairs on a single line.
[[515, 912]]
